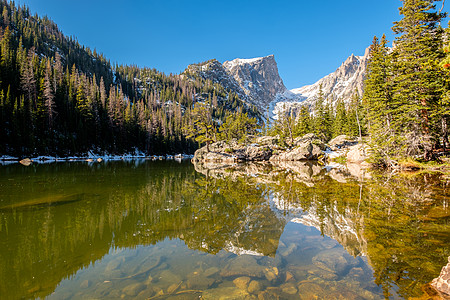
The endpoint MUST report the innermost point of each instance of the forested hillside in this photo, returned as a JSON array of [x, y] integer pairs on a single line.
[[58, 97]]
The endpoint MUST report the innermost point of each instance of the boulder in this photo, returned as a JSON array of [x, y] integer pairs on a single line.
[[311, 138], [303, 151], [341, 141], [267, 140], [258, 153], [358, 153], [442, 283]]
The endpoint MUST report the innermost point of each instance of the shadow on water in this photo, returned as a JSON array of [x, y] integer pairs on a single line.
[[155, 229]]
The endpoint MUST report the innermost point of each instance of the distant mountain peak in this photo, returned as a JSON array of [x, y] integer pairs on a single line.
[[248, 61], [341, 84], [255, 80]]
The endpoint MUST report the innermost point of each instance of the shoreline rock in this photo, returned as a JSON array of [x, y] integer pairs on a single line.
[[90, 158], [442, 283], [268, 149]]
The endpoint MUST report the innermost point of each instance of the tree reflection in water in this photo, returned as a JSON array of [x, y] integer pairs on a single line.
[[72, 215]]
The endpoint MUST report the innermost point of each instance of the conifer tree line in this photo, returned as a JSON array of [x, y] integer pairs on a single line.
[[407, 87], [60, 98], [405, 108], [324, 119]]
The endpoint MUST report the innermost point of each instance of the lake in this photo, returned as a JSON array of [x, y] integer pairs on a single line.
[[167, 230]]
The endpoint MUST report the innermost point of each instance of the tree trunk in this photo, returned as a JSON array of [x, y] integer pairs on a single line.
[[359, 125], [444, 133]]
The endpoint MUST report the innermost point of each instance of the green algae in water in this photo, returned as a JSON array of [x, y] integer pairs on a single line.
[[161, 230]]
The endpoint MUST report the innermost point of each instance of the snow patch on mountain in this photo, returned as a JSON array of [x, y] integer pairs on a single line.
[[339, 85]]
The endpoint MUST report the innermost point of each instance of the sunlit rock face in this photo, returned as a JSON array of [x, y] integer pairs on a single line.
[[341, 84], [257, 82], [254, 80], [442, 283], [258, 77]]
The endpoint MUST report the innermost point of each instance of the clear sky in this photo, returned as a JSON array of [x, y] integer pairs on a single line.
[[309, 39]]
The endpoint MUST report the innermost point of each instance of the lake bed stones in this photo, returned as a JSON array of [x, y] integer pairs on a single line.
[[242, 282], [335, 260]]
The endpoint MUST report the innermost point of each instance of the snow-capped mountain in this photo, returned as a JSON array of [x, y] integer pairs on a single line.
[[340, 84], [254, 80], [257, 82]]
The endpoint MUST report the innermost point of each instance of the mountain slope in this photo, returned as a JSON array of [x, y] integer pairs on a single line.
[[340, 84], [58, 97], [254, 80]]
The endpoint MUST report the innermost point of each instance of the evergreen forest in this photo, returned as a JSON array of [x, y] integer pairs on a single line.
[[405, 109], [58, 97]]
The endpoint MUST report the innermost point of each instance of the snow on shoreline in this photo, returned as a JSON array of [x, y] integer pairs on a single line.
[[91, 157]]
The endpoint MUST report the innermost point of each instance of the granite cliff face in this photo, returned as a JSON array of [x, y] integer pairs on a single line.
[[258, 77], [340, 84], [255, 80]]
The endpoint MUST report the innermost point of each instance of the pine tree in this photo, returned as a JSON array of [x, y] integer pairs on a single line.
[[202, 128], [49, 97], [340, 119], [303, 125], [418, 78], [378, 101]]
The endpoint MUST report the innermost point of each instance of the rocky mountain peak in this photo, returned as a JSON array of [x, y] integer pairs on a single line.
[[255, 80], [340, 84], [258, 77]]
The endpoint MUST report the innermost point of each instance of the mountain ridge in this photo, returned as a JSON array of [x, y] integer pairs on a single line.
[[257, 81], [340, 84]]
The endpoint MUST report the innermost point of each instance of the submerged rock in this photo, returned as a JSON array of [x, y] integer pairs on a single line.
[[310, 291], [244, 265], [254, 287], [226, 293], [199, 282], [336, 261], [242, 282], [289, 288], [133, 289]]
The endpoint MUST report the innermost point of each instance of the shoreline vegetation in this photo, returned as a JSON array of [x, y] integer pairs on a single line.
[[59, 97], [340, 151]]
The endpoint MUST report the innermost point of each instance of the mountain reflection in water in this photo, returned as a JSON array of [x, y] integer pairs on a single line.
[[159, 229]]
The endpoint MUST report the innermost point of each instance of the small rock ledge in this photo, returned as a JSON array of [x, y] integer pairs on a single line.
[[267, 148]]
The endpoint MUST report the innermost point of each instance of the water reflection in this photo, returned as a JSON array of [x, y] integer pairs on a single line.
[[160, 229]]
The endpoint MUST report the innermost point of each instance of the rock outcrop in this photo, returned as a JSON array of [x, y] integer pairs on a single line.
[[267, 148], [262, 149], [442, 283], [340, 84], [341, 141], [258, 77], [254, 80]]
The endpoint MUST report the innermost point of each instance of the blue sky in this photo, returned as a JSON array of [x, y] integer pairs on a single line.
[[309, 39]]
